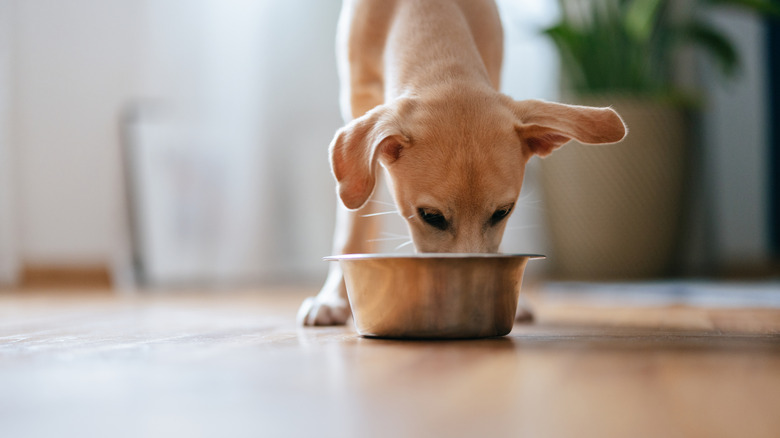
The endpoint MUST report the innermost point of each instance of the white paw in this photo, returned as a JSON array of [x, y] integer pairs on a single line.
[[324, 311]]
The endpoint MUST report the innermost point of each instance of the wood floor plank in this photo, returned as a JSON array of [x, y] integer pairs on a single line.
[[235, 364]]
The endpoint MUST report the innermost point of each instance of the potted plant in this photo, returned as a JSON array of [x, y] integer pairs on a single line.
[[615, 211]]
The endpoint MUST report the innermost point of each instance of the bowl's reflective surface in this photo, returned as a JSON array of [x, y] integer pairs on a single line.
[[433, 295]]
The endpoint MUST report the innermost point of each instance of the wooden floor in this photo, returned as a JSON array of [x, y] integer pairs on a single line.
[[94, 364]]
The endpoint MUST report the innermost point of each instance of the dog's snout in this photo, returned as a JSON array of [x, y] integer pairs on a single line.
[[462, 245], [474, 248]]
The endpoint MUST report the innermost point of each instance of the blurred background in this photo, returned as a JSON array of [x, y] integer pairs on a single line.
[[183, 143]]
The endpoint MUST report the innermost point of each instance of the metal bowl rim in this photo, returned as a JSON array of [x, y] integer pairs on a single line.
[[431, 255]]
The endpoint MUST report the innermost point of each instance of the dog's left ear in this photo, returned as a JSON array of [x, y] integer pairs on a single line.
[[357, 148], [546, 126]]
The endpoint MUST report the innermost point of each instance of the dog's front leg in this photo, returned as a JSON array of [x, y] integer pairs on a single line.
[[355, 233]]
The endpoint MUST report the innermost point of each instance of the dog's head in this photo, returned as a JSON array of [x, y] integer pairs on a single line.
[[456, 164]]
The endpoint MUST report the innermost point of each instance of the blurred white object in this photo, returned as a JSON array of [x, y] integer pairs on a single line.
[[191, 192], [229, 164]]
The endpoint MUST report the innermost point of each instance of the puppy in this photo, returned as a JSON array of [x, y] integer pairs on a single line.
[[419, 93]]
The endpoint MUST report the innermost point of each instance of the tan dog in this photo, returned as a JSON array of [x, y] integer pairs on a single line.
[[419, 82]]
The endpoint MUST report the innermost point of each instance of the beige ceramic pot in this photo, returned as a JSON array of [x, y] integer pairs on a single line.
[[614, 211]]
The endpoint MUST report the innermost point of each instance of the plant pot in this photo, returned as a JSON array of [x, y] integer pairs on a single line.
[[614, 211]]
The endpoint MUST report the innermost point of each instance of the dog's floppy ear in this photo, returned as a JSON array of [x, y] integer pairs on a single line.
[[546, 126], [356, 149]]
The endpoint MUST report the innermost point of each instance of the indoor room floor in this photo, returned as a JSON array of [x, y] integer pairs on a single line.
[[611, 361]]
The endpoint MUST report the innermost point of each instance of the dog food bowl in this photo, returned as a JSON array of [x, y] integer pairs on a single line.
[[433, 295]]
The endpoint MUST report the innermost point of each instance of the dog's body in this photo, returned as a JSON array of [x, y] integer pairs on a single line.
[[419, 82]]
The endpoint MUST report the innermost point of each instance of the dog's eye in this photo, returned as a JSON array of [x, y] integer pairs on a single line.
[[500, 214], [433, 218]]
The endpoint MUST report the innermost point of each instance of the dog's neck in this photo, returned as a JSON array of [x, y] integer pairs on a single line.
[[432, 53]]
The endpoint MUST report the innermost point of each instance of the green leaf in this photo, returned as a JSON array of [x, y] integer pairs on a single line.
[[640, 18], [713, 41]]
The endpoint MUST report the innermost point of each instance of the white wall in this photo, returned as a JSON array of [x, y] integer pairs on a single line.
[[75, 67], [79, 62], [8, 260]]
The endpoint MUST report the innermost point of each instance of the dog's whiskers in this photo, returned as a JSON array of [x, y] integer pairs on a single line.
[[537, 208], [389, 204], [380, 213], [403, 245], [528, 193], [389, 234], [387, 239]]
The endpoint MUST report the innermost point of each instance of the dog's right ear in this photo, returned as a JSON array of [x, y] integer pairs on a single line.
[[356, 149]]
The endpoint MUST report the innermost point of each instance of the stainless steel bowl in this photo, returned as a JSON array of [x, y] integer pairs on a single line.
[[433, 295]]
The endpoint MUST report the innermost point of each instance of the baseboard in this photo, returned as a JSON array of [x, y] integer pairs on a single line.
[[45, 276]]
